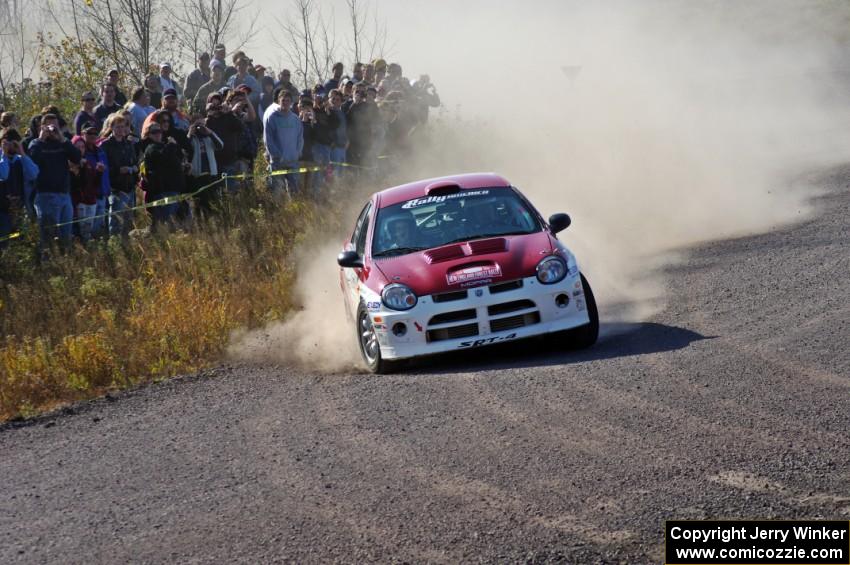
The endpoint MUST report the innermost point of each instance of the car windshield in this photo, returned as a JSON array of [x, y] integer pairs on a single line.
[[432, 221]]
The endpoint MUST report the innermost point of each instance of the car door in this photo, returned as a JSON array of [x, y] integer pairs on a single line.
[[353, 277]]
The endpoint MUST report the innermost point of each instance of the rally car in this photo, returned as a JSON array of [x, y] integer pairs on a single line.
[[460, 262]]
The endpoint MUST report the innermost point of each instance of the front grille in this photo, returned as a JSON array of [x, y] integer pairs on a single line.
[[449, 296], [455, 332], [514, 322], [456, 316], [506, 307], [506, 286]]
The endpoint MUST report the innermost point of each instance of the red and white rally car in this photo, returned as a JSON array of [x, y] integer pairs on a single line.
[[459, 262]]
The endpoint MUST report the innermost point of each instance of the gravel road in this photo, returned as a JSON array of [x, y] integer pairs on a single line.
[[733, 402]]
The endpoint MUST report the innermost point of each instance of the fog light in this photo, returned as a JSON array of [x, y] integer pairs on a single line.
[[562, 300], [399, 329]]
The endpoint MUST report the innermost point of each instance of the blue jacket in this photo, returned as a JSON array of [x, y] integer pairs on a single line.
[[52, 158], [17, 177], [283, 135]]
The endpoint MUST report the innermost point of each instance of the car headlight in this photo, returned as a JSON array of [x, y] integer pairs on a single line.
[[551, 270], [398, 297]]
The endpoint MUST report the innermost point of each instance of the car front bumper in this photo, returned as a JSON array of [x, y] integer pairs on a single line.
[[487, 315]]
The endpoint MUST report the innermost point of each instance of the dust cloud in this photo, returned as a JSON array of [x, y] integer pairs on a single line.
[[655, 124]]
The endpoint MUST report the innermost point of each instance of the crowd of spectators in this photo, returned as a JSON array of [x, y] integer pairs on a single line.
[[78, 177]]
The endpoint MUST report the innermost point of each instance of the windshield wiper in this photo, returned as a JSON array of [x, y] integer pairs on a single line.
[[397, 251]]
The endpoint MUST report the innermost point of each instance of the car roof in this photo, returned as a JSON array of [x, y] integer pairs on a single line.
[[404, 192]]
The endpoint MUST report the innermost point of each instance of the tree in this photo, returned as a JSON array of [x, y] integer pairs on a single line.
[[202, 24], [308, 41], [368, 35]]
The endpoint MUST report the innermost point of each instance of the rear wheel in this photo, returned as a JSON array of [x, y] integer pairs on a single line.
[[370, 349], [586, 335]]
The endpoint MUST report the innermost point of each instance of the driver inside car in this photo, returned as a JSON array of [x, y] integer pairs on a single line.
[[401, 232]]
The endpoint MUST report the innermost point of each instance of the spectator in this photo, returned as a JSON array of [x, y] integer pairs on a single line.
[[8, 120], [140, 109], [219, 54], [164, 177], [285, 82], [197, 77], [267, 96], [51, 152], [106, 107], [393, 79], [92, 182], [424, 97], [122, 164], [232, 70], [205, 143], [165, 80], [305, 114], [86, 115], [242, 77], [63, 125], [357, 72], [369, 74], [172, 134], [169, 104], [340, 141], [284, 139], [216, 81], [113, 78], [325, 124], [242, 108], [17, 174], [154, 90], [333, 82], [362, 116], [228, 128], [347, 91], [380, 70]]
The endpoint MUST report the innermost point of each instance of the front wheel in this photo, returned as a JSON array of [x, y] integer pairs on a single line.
[[586, 335], [370, 349]]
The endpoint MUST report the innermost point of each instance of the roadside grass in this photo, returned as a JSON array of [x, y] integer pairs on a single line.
[[119, 313]]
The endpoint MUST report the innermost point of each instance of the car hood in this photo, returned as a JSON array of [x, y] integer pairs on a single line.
[[459, 266]]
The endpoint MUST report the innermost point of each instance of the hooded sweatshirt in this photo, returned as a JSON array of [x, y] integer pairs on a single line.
[[283, 135]]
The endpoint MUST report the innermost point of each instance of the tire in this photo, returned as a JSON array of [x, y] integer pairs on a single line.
[[367, 342], [584, 336]]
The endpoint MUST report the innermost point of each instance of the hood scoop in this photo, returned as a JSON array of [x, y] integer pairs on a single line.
[[484, 246], [442, 254]]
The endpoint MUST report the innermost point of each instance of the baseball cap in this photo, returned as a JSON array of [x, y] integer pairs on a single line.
[[244, 88], [165, 65], [91, 130], [379, 64], [169, 92]]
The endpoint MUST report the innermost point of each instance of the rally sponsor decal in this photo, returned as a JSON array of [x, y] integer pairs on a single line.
[[437, 199], [486, 341], [469, 274]]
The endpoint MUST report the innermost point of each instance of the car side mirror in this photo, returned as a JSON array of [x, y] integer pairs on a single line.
[[559, 222], [349, 259]]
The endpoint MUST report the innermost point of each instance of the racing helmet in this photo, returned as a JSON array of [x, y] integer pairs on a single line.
[[400, 218]]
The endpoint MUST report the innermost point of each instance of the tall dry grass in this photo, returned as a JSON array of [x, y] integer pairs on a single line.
[[118, 313]]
